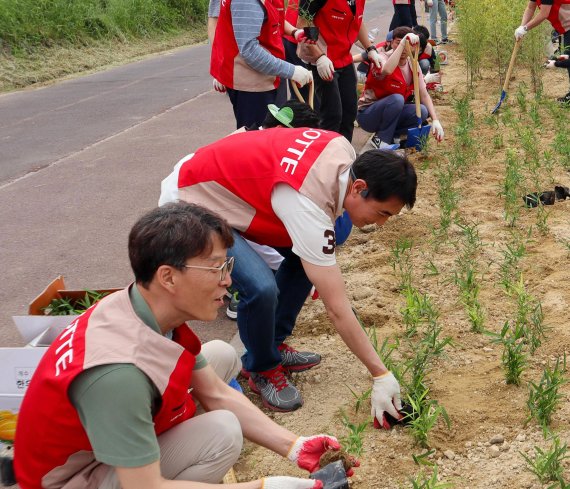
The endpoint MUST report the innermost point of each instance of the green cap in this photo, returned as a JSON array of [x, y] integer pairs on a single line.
[[284, 115]]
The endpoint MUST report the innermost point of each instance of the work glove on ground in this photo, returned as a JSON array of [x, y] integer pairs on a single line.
[[218, 87], [300, 36], [385, 398], [325, 68], [437, 130], [520, 32], [413, 39], [302, 76], [307, 450], [282, 482], [374, 57]]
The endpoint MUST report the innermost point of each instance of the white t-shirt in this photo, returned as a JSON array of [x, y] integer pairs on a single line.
[[310, 229]]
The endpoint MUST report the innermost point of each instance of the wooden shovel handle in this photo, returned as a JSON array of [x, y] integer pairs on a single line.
[[311, 93], [511, 64], [413, 53]]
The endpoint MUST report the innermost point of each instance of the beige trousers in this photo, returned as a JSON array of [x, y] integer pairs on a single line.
[[201, 449]]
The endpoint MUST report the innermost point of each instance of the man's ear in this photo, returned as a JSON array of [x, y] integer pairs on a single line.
[[360, 187], [165, 277]]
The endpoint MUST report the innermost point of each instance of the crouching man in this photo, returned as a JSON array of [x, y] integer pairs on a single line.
[[127, 397]]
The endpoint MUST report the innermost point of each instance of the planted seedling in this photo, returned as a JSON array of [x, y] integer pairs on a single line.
[[352, 443], [66, 307], [429, 481], [360, 398], [514, 356], [547, 464], [544, 396], [424, 416]]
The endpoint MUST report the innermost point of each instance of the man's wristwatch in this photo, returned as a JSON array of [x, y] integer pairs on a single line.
[[371, 48]]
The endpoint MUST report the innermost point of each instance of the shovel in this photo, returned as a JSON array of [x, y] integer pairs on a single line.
[[508, 77], [311, 94], [416, 136]]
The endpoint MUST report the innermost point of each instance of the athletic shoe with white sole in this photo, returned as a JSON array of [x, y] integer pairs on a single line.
[[277, 393], [231, 311]]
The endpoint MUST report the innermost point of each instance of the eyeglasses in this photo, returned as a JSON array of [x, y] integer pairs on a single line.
[[224, 268]]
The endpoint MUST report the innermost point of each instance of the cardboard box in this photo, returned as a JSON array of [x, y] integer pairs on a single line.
[[36, 327]]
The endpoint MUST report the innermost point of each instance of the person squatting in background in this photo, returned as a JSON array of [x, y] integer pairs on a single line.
[[248, 57], [385, 108], [558, 14], [331, 60]]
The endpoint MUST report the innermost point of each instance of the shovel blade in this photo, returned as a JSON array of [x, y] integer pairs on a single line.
[[417, 137], [503, 95]]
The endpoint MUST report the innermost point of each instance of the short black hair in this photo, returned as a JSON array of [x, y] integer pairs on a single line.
[[387, 174], [423, 40], [303, 116], [421, 29], [170, 235]]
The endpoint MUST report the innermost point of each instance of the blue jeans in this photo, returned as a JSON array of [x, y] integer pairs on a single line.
[[389, 117], [268, 304], [438, 7]]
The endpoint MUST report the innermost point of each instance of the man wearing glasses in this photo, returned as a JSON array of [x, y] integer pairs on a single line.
[[126, 397], [284, 188]]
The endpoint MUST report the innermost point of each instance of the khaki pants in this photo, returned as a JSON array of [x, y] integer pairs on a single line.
[[201, 449]]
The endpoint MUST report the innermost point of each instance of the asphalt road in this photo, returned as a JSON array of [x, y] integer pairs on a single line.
[[81, 160]]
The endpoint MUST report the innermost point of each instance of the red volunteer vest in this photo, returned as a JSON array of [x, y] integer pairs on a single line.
[[248, 165], [225, 50], [49, 430], [339, 29], [389, 85], [558, 17]]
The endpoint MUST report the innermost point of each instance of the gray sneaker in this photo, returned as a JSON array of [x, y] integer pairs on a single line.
[[276, 392], [231, 311], [297, 361]]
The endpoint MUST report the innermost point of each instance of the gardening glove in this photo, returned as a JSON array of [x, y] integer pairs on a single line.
[[375, 58], [551, 63], [218, 87], [302, 76], [413, 39], [520, 32], [300, 36], [282, 482], [325, 67], [429, 3], [307, 450], [385, 398], [437, 130]]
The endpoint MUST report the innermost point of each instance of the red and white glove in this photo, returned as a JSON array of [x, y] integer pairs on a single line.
[[385, 398], [550, 63], [374, 57], [282, 482], [325, 68], [437, 130], [413, 39], [429, 3], [302, 76], [300, 36], [307, 450], [218, 87]]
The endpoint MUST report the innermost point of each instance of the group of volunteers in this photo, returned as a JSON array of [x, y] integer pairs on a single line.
[[127, 396]]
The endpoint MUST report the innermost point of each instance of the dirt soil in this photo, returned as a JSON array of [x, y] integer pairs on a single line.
[[488, 432]]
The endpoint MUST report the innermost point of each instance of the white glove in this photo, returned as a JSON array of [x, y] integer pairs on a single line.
[[218, 87], [282, 482], [385, 397], [550, 64], [429, 3], [325, 68], [437, 130], [520, 32], [300, 36], [302, 76], [375, 58], [413, 39], [563, 57]]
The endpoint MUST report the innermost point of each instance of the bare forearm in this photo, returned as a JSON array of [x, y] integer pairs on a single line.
[[542, 15], [390, 65], [363, 36]]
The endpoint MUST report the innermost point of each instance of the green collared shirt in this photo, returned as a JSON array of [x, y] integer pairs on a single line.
[[116, 404]]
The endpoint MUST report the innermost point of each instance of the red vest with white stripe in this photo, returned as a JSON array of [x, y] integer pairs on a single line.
[[235, 176], [226, 64], [49, 429], [559, 15], [339, 27], [389, 85]]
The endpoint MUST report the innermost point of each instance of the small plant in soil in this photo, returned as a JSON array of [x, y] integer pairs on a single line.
[[352, 443], [521, 97], [424, 415], [360, 398], [544, 396], [547, 464], [401, 261], [512, 188], [510, 271], [428, 481], [514, 355]]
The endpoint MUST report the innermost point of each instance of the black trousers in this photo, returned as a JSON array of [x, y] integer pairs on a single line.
[[338, 100], [402, 16], [250, 108]]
